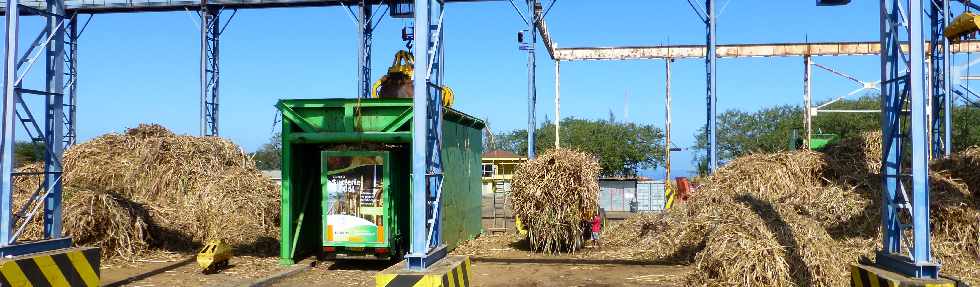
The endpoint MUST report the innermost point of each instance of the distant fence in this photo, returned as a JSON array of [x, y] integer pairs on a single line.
[[631, 195]]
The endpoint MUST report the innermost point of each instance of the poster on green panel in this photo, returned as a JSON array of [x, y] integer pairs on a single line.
[[353, 229]]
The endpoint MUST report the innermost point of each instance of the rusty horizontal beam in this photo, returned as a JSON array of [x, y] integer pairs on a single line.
[[543, 30], [737, 51]]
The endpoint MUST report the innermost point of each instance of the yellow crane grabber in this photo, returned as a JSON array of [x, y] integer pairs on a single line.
[[963, 25], [214, 256], [398, 82]]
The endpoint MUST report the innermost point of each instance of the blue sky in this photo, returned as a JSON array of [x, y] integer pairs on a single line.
[[137, 68]]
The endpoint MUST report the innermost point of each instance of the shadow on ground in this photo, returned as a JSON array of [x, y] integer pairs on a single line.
[[360, 265]]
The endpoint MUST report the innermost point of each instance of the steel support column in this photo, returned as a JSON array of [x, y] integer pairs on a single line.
[[7, 142], [557, 104], [426, 246], [420, 129], [667, 124], [365, 33], [210, 35], [940, 57], [532, 93], [54, 117], [71, 67], [807, 101], [903, 86], [712, 57]]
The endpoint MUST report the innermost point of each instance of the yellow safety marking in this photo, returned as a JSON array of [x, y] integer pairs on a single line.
[[383, 279], [83, 267], [51, 271], [14, 275], [453, 278], [874, 279], [856, 276]]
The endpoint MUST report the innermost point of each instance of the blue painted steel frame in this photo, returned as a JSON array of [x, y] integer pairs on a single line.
[[54, 118], [210, 72], [365, 35], [52, 135], [903, 83], [710, 62], [426, 240], [7, 144], [939, 55], [71, 65], [532, 92]]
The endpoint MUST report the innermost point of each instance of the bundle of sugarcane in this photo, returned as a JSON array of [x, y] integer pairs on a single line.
[[553, 195], [785, 219], [149, 188]]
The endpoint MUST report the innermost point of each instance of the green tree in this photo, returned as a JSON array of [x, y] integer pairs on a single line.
[[848, 125], [513, 141], [771, 129], [27, 152], [623, 148], [269, 156], [740, 133], [966, 127]]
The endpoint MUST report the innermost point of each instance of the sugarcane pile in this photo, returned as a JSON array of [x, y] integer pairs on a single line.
[[553, 194], [149, 189], [963, 165], [796, 218]]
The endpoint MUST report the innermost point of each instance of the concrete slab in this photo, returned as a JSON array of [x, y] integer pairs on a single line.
[[870, 276], [452, 271]]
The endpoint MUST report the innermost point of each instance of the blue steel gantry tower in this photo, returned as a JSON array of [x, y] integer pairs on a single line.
[[426, 242], [916, 109], [49, 138], [905, 133], [58, 128]]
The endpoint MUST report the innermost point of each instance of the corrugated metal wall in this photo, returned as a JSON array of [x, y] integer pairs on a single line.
[[616, 195], [650, 195], [462, 145]]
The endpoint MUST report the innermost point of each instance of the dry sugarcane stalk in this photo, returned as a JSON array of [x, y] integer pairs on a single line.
[[553, 195], [149, 188], [798, 218]]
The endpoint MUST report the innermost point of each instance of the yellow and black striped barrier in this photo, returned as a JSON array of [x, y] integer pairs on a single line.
[[452, 271], [669, 195], [868, 276], [67, 267]]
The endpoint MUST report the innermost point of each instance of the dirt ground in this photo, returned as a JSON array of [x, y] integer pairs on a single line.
[[496, 260], [182, 270], [517, 273]]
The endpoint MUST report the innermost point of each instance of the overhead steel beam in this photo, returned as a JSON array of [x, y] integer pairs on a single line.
[[136, 6], [738, 51]]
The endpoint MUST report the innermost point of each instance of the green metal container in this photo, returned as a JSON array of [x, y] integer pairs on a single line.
[[820, 141], [346, 173]]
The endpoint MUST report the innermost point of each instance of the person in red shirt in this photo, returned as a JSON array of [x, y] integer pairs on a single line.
[[596, 228]]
